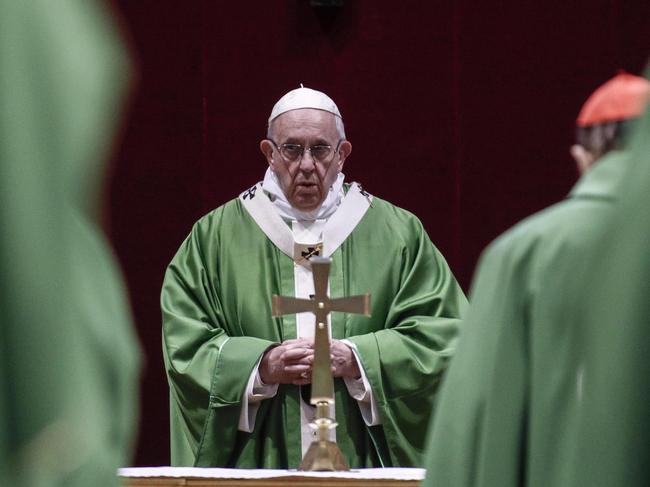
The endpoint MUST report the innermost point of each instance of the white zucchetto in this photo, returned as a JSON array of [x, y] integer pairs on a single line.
[[304, 98]]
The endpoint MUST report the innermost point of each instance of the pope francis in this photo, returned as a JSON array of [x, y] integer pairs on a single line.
[[238, 376]]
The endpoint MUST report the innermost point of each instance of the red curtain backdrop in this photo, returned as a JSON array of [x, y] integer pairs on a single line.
[[461, 112]]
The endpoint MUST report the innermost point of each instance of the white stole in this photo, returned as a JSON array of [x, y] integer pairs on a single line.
[[338, 227]]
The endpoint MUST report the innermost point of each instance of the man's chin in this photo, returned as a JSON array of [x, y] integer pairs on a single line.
[[306, 203]]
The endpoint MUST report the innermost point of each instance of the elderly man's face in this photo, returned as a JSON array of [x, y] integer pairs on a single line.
[[306, 181]]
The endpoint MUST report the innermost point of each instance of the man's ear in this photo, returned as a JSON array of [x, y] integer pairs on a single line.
[[344, 151], [266, 146], [584, 159]]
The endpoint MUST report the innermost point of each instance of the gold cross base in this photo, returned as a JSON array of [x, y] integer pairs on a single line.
[[323, 456]]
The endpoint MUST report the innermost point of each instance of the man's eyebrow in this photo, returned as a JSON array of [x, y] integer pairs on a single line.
[[321, 142], [293, 140], [316, 141]]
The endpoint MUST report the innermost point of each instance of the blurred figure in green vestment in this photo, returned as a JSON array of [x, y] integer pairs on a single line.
[[514, 405], [68, 357], [613, 437]]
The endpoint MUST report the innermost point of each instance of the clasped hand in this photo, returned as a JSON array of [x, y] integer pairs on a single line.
[[291, 362]]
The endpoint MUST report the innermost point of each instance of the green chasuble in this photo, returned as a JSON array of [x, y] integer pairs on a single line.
[[216, 303], [613, 439], [67, 356], [511, 401]]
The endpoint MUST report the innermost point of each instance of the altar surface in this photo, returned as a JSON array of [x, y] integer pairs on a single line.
[[234, 477]]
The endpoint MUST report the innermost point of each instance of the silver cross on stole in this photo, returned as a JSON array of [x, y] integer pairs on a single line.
[[322, 453]]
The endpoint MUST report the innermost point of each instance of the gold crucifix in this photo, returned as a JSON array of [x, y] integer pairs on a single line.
[[322, 454]]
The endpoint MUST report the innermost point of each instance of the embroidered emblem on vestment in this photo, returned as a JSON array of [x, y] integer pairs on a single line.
[[250, 193], [303, 252]]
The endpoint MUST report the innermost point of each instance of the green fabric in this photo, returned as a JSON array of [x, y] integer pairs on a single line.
[[613, 437], [512, 400], [216, 303], [67, 354]]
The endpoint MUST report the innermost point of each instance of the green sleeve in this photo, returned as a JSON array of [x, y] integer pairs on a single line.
[[208, 362], [405, 359]]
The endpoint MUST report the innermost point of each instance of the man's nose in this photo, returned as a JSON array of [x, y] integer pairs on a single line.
[[307, 162]]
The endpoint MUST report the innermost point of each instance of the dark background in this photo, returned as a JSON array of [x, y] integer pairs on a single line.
[[461, 112]]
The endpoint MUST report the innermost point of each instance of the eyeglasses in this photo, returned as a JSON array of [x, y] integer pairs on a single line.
[[293, 152]]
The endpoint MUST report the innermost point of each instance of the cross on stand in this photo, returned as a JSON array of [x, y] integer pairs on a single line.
[[322, 453]]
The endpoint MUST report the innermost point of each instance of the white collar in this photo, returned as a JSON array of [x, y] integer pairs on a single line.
[[284, 208]]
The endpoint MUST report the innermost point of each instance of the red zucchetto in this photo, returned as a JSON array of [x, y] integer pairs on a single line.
[[621, 98]]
